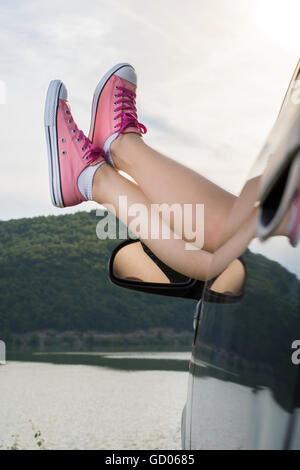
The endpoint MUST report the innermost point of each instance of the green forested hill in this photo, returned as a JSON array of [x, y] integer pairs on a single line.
[[53, 275]]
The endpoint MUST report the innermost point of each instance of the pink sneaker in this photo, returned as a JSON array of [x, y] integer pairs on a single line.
[[114, 108], [69, 151]]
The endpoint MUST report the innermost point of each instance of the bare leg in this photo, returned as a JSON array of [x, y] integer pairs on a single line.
[[108, 185], [165, 181]]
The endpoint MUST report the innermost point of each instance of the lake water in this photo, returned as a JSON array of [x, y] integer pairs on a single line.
[[94, 400]]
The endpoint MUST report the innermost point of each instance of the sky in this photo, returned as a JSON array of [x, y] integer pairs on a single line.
[[211, 78]]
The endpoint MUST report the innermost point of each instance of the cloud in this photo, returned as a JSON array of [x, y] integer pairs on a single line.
[[210, 82]]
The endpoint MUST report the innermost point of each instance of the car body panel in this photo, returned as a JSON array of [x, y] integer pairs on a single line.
[[243, 382]]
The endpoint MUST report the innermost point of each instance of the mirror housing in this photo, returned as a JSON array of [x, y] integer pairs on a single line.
[[171, 283], [188, 289]]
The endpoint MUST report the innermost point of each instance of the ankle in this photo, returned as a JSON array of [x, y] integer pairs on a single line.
[[122, 150], [100, 179]]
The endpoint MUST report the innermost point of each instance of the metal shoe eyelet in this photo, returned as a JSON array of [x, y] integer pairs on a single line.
[[70, 121], [74, 131], [77, 140], [83, 149], [63, 140], [64, 152]]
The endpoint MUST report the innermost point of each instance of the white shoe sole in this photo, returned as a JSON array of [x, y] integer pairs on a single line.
[[98, 92], [280, 178], [276, 204], [56, 91]]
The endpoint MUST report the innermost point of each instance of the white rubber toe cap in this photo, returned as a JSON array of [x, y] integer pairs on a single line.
[[127, 73]]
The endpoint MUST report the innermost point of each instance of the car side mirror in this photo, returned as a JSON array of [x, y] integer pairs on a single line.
[[134, 266]]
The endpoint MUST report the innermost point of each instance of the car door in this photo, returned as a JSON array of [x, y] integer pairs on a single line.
[[242, 383]]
